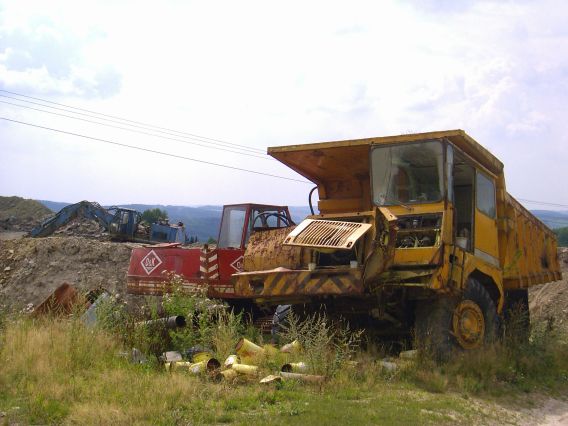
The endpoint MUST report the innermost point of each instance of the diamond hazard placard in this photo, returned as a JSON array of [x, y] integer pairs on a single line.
[[150, 262], [238, 264]]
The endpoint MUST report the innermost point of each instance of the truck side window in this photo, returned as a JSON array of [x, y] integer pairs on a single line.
[[485, 194], [232, 226]]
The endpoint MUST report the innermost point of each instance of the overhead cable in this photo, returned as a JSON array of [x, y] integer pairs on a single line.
[[139, 131], [154, 151], [125, 121]]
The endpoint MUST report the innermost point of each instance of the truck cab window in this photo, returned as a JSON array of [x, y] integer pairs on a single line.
[[232, 225], [485, 195], [409, 173]]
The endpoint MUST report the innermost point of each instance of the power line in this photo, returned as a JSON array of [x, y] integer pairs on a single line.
[[543, 202], [125, 121], [154, 151], [137, 131]]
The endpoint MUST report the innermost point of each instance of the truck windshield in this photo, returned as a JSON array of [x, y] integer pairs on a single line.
[[407, 173], [232, 226]]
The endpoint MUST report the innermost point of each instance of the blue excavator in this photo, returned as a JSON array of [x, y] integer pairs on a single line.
[[121, 223]]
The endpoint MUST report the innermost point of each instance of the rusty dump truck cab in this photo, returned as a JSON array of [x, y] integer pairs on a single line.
[[405, 221]]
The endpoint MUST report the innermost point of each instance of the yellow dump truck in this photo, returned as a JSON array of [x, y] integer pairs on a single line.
[[415, 233]]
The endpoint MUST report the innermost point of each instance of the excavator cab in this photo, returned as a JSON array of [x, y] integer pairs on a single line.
[[240, 220], [124, 224]]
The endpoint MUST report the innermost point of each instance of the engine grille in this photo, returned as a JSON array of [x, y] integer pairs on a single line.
[[327, 234]]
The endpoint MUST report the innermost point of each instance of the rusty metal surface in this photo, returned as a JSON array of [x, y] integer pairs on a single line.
[[265, 250], [60, 302], [381, 253]]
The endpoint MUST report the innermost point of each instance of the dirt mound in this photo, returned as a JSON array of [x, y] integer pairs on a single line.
[[32, 268], [549, 302], [83, 227], [19, 214], [563, 258]]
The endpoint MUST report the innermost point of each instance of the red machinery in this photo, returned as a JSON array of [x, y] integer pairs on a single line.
[[211, 266]]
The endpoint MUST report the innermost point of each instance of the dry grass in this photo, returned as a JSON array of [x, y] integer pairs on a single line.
[[58, 371]]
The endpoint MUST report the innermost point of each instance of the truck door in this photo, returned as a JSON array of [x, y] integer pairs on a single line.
[[486, 245], [463, 200]]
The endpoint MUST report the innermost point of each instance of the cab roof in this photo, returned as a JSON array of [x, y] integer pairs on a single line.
[[349, 159]]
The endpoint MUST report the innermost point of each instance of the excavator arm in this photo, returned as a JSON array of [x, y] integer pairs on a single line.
[[87, 209]]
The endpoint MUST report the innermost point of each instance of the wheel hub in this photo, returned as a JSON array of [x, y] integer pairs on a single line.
[[468, 325]]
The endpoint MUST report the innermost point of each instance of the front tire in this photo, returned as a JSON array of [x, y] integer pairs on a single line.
[[447, 323]]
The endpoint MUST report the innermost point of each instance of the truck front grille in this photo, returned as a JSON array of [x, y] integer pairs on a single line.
[[326, 234]]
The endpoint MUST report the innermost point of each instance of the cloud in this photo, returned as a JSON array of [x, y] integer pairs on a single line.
[[45, 58]]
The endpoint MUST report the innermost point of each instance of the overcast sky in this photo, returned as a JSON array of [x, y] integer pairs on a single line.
[[262, 73]]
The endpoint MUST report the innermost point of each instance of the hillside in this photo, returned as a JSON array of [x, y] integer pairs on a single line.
[[19, 214], [202, 221]]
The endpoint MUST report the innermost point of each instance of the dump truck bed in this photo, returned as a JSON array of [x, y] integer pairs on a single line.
[[531, 249]]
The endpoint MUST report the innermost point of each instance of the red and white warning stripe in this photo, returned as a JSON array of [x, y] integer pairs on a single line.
[[208, 264]]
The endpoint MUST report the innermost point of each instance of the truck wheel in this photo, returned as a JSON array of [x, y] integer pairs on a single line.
[[516, 316], [433, 323], [475, 321], [448, 323]]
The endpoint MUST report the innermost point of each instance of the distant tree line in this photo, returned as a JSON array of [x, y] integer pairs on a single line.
[[154, 215], [562, 234]]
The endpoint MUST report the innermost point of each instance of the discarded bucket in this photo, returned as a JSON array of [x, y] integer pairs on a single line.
[[246, 348], [229, 375], [208, 366], [294, 367], [231, 359], [290, 347], [249, 370], [202, 356], [302, 377]]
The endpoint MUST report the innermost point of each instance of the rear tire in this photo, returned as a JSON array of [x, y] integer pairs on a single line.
[[516, 316]]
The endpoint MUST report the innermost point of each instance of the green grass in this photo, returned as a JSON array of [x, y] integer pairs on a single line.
[[57, 371], [60, 372]]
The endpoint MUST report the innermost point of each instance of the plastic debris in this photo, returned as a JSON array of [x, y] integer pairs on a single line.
[[229, 375], [294, 367], [290, 347], [246, 348], [270, 379], [232, 359], [249, 370], [172, 356]]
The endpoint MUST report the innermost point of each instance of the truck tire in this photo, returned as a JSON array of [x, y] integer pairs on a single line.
[[475, 322], [465, 323], [516, 316], [433, 323]]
